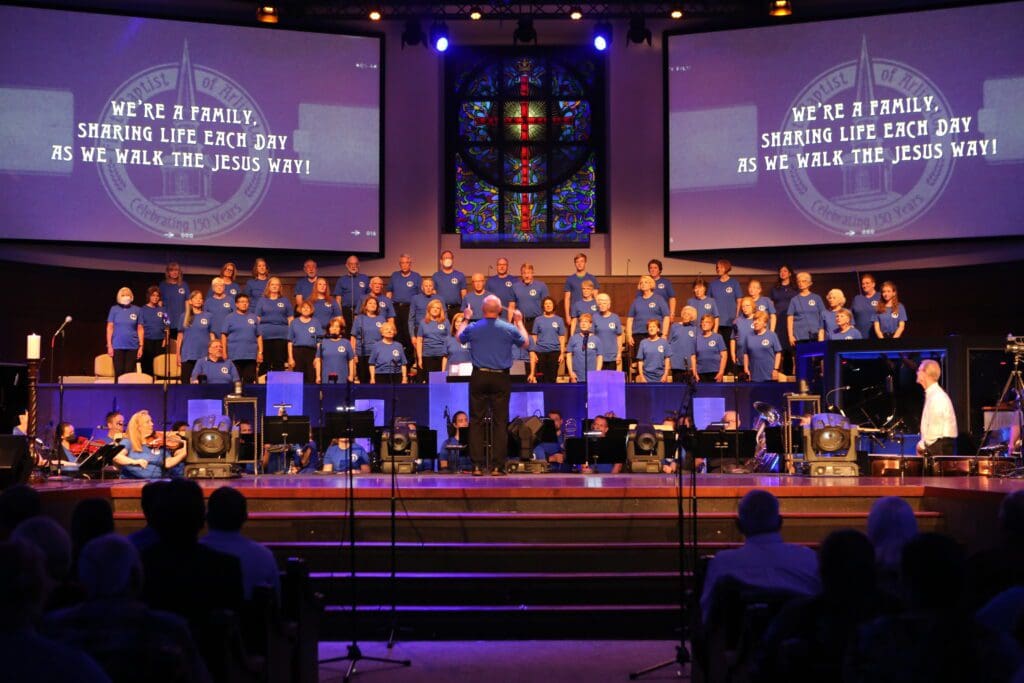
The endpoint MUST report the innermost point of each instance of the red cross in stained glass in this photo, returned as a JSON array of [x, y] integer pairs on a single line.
[[524, 121]]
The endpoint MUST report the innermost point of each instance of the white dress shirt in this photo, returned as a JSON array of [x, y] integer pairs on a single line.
[[938, 420]]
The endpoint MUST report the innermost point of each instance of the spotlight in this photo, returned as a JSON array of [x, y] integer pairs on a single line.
[[779, 8], [676, 12], [602, 36], [475, 13], [638, 32], [645, 449], [400, 448], [212, 448], [267, 14], [375, 15], [576, 13], [525, 32], [413, 33], [439, 36]]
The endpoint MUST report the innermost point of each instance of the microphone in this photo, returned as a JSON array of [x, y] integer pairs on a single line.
[[64, 324]]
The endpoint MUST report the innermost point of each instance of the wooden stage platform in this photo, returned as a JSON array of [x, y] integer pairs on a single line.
[[542, 555]]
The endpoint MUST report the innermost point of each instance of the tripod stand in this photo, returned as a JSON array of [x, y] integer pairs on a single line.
[[1014, 383]]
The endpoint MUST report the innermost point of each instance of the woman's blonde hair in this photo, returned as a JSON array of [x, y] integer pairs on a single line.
[[134, 430]]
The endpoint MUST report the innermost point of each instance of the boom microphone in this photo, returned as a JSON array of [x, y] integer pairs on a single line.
[[62, 326]]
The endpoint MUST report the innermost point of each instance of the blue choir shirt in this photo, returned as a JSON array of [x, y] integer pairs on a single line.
[[652, 353], [579, 357], [491, 341], [384, 356], [864, 310], [781, 296], [404, 287], [765, 304], [219, 310], [705, 306], [254, 288], [743, 328], [342, 459], [324, 310], [304, 332], [241, 332], [725, 295], [548, 329], [155, 458], [458, 353], [352, 289], [888, 321], [230, 291], [195, 342], [642, 310], [384, 306], [366, 330], [760, 351], [435, 337], [418, 311], [583, 306], [217, 372], [304, 287], [273, 316], [174, 297], [334, 355], [475, 301], [502, 287], [449, 286], [608, 330], [154, 322], [574, 285], [807, 313], [682, 341], [126, 321], [709, 352], [529, 297], [838, 335]]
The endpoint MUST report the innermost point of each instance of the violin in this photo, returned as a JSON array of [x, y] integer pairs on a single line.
[[83, 445], [171, 440]]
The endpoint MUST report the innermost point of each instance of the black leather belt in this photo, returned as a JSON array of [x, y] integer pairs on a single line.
[[493, 370]]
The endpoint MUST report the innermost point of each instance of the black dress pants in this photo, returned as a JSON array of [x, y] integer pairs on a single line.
[[489, 392]]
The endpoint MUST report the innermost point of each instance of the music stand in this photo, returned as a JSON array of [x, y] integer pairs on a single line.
[[738, 445], [97, 462], [287, 430]]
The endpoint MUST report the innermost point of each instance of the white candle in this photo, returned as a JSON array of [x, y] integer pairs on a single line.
[[32, 351]]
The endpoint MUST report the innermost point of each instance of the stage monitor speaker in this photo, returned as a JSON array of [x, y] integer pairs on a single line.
[[15, 460]]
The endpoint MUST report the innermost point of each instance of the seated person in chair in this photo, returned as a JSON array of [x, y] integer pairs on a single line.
[[340, 457], [143, 455]]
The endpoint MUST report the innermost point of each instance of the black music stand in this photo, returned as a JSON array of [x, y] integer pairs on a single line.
[[725, 445], [287, 430]]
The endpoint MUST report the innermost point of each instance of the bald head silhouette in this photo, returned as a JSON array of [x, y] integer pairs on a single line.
[[492, 306]]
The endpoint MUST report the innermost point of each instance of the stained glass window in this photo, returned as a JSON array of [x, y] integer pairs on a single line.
[[524, 132]]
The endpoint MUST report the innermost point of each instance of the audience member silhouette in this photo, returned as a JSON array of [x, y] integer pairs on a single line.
[[130, 641], [17, 503], [25, 655], [55, 545], [226, 513], [151, 497], [891, 523], [935, 639], [992, 571], [91, 518]]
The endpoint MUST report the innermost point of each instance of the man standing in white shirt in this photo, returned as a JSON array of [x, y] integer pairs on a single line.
[[938, 420]]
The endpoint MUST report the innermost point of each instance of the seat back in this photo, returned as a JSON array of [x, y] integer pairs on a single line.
[[103, 366], [135, 378], [165, 366]]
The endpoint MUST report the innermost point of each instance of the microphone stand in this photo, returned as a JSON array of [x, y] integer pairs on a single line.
[[167, 341], [393, 580]]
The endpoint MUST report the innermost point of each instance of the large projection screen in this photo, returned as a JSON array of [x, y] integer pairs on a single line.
[[868, 131], [133, 131]]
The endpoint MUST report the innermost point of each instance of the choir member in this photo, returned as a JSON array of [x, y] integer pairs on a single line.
[[586, 304], [449, 283], [743, 326], [711, 352], [865, 305], [196, 333], [726, 292], [257, 284], [662, 286], [304, 285], [763, 352], [174, 292], [704, 304], [583, 352], [324, 306], [646, 306], [548, 347], [890, 315], [609, 331], [682, 342], [365, 335], [274, 315], [335, 361], [458, 353], [574, 283], [351, 288], [529, 293], [762, 302], [240, 339], [418, 307], [501, 285], [214, 368], [219, 304], [653, 362], [124, 333], [804, 317], [387, 362], [228, 273], [384, 305], [142, 458], [844, 331], [474, 299], [431, 339], [405, 283], [782, 293], [834, 301], [303, 334], [154, 329]]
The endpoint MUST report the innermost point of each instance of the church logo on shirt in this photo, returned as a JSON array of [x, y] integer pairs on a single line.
[[227, 304], [707, 307], [394, 352], [187, 204], [651, 305], [378, 323], [455, 280], [311, 330], [661, 348], [408, 283], [811, 302], [181, 290], [250, 321], [766, 342], [280, 304], [611, 326], [728, 290], [895, 314], [440, 327], [224, 370], [204, 321], [508, 283], [858, 200], [591, 345], [712, 344], [133, 316], [692, 335], [533, 292]]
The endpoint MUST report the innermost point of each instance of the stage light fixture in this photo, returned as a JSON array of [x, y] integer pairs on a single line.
[[676, 12], [413, 34], [576, 13], [439, 36], [602, 36], [645, 449], [475, 13], [638, 32], [375, 14], [780, 8], [525, 32], [267, 14], [400, 448], [213, 448]]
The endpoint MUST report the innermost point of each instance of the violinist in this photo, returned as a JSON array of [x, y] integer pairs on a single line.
[[143, 456], [70, 446]]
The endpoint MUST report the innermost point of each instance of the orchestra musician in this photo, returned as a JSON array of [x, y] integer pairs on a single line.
[[143, 455]]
